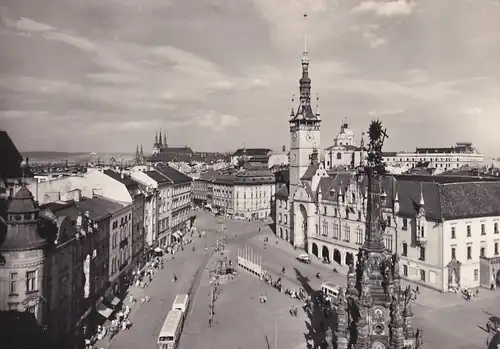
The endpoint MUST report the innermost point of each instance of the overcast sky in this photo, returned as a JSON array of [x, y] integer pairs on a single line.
[[104, 75]]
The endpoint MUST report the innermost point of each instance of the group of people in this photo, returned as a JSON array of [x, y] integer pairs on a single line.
[[468, 294]]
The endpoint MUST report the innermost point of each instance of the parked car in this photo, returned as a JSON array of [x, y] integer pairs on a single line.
[[304, 258]]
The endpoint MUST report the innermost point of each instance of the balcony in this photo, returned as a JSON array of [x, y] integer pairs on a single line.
[[421, 240]]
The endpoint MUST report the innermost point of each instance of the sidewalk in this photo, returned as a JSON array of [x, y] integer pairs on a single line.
[[138, 293]]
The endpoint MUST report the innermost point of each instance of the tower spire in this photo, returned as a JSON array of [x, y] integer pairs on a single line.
[[317, 104], [305, 36], [165, 139], [305, 81], [160, 141]]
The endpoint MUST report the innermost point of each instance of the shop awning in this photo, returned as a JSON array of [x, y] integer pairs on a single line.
[[104, 310], [158, 250], [176, 235], [113, 300]]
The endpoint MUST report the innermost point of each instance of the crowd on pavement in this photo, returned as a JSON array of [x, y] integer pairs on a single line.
[[141, 279]]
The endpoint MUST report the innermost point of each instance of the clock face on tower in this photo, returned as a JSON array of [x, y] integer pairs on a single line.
[[310, 136], [294, 136]]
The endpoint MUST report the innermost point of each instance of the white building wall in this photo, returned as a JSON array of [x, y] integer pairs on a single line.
[[103, 185], [51, 191], [484, 238]]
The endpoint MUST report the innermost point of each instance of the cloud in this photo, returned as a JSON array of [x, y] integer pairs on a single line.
[[29, 25], [386, 112], [369, 33], [205, 69], [386, 8], [217, 122]]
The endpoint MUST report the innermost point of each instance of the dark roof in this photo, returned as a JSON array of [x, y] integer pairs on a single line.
[[158, 177], [444, 178], [21, 235], [304, 112], [21, 202], [310, 172], [98, 208], [209, 175], [126, 180], [175, 176], [252, 151], [444, 199], [10, 161]]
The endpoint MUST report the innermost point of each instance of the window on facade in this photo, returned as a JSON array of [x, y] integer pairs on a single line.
[[453, 253], [422, 254], [359, 215], [482, 251], [468, 231], [335, 231], [453, 235], [389, 221], [335, 212], [324, 210], [405, 270], [405, 224], [13, 283], [469, 252], [280, 218], [347, 213], [339, 156], [286, 218], [483, 229], [495, 228], [388, 242], [325, 229], [347, 233], [405, 249], [359, 236], [422, 275], [31, 281], [496, 248], [476, 274]]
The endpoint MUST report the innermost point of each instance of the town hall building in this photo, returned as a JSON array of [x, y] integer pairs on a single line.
[[445, 229]]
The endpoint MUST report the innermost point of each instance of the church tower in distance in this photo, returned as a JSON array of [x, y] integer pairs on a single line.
[[374, 312], [304, 128]]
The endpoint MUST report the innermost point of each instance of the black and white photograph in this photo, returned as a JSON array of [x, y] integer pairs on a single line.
[[249, 174]]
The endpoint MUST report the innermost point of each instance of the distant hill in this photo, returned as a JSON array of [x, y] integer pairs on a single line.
[[43, 157]]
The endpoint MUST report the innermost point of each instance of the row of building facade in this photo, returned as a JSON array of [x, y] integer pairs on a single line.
[[243, 193], [68, 247], [444, 228]]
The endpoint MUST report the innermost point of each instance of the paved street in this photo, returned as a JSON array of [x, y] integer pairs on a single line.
[[148, 318], [241, 321]]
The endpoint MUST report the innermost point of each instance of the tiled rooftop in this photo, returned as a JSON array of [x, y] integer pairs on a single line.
[[175, 176]]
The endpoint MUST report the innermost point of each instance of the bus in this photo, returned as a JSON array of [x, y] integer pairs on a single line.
[[330, 291], [171, 330], [181, 302]]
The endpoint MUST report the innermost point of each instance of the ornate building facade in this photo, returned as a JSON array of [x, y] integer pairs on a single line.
[[445, 237]]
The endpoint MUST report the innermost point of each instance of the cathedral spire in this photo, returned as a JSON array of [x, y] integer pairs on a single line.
[[160, 141], [156, 138], [165, 139]]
